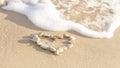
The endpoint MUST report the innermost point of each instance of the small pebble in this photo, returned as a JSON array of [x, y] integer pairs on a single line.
[[36, 38], [52, 49], [39, 43], [57, 52], [60, 49], [72, 38], [65, 48], [46, 35], [66, 36], [41, 34], [44, 46], [70, 45]]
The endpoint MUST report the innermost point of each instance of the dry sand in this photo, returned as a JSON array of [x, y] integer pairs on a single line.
[[16, 51]]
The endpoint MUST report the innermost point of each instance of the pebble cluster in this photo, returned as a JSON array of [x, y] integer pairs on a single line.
[[68, 44]]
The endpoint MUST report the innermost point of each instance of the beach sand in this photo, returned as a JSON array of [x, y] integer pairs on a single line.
[[17, 51]]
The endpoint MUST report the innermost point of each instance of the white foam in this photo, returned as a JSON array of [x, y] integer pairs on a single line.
[[43, 14]]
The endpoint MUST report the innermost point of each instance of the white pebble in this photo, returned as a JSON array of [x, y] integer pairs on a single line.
[[65, 48], [60, 49], [39, 43], [44, 46], [72, 38], [57, 52], [46, 35], [70, 45], [52, 49], [36, 38]]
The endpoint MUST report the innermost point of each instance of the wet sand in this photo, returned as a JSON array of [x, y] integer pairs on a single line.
[[17, 51]]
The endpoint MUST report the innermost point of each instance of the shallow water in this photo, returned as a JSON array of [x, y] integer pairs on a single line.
[[102, 15], [92, 14]]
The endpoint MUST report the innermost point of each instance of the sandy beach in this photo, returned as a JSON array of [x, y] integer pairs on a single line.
[[17, 51]]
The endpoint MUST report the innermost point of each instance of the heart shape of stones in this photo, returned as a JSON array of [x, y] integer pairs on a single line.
[[67, 45]]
